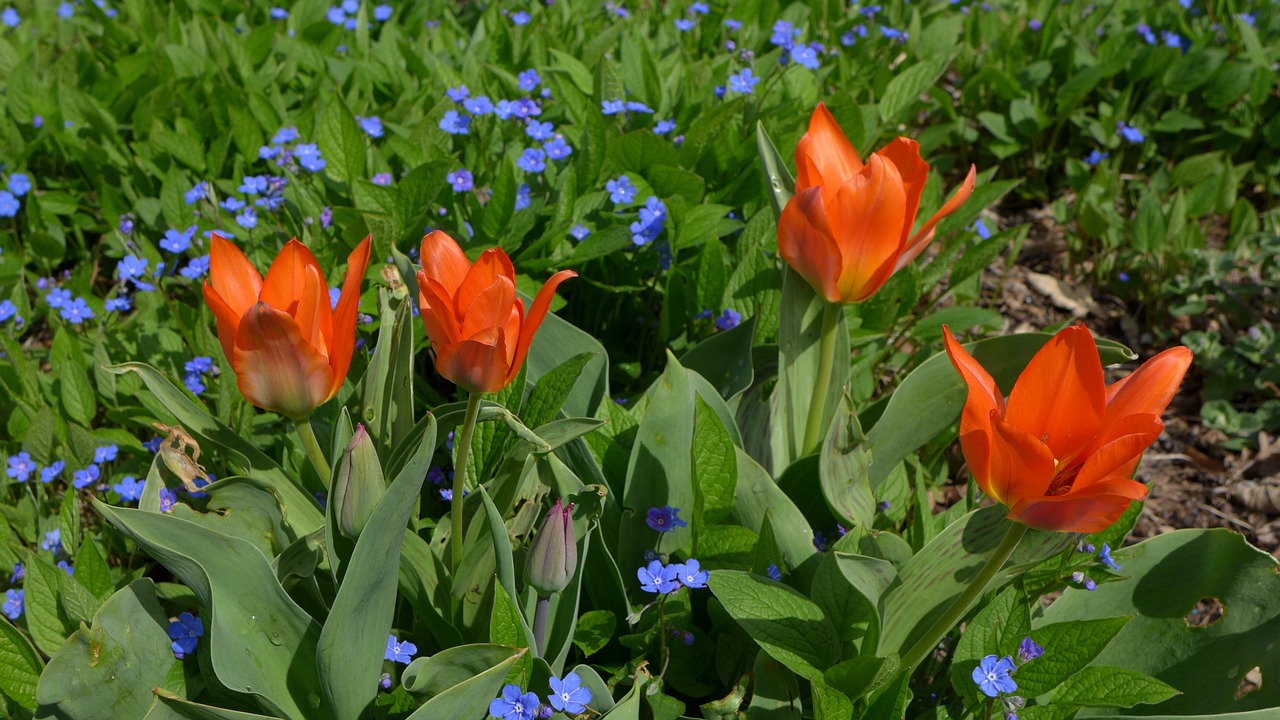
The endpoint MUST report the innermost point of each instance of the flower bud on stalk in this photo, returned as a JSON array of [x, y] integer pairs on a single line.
[[553, 556], [359, 485]]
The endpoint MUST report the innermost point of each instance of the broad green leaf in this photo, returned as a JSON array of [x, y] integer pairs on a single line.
[[1068, 648], [843, 469], [775, 693], [714, 466], [341, 142], [556, 342], [786, 624], [552, 389], [595, 629], [91, 570], [107, 670], [260, 641], [755, 497], [935, 385], [862, 675], [20, 665], [997, 629], [352, 643], [907, 87], [848, 588], [1103, 686], [1164, 578], [47, 619], [301, 512]]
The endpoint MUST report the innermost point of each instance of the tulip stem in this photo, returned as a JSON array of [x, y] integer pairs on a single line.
[[540, 623], [312, 448], [460, 478], [813, 429], [925, 644]]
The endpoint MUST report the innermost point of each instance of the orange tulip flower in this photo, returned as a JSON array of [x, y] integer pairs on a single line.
[[476, 323], [1061, 451], [289, 347], [848, 226]]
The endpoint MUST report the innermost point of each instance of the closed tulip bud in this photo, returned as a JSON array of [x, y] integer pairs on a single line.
[[553, 556], [359, 485]]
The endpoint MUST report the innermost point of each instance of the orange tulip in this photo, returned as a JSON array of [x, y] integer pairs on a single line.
[[848, 227], [1060, 453], [289, 347], [476, 323]]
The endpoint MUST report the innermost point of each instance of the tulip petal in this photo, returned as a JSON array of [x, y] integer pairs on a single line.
[[436, 308], [342, 339], [228, 320], [444, 260], [492, 265], [824, 155], [232, 276], [1021, 465], [867, 220], [1088, 510], [922, 237], [490, 308], [276, 368], [315, 317], [904, 153], [476, 365], [983, 399], [287, 277], [1119, 449], [805, 242], [1149, 388], [1061, 396], [529, 325]]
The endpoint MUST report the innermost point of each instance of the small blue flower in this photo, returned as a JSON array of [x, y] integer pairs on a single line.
[[126, 224], [58, 297], [400, 651], [196, 268], [662, 127], [1083, 580], [168, 498], [372, 126], [1129, 133], [613, 107], [621, 191], [253, 184], [1105, 557], [82, 479], [461, 180], [278, 13], [649, 226], [382, 179], [19, 184], [526, 108], [21, 466], [185, 632], [784, 34], [194, 383], [284, 136], [309, 157], [894, 34], [1144, 30], [13, 603], [177, 241], [52, 541], [733, 25], [691, 575], [458, 94], [52, 472], [455, 123], [76, 312], [992, 675], [819, 541], [8, 310], [9, 204], [513, 705], [520, 17], [805, 56], [700, 8], [657, 578], [504, 109], [774, 573], [1028, 650], [638, 107], [247, 219], [195, 194], [664, 519], [129, 488], [130, 267], [10, 17], [523, 196], [579, 232], [729, 319], [1034, 24], [528, 80], [568, 695], [106, 453], [1095, 157], [382, 13], [478, 105], [684, 24], [557, 149], [532, 160], [231, 203], [66, 10], [540, 130], [18, 573], [981, 228], [743, 82]]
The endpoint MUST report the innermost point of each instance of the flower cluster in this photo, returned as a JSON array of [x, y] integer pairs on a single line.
[[19, 185], [195, 371], [286, 151], [567, 695], [650, 224], [994, 676], [659, 578]]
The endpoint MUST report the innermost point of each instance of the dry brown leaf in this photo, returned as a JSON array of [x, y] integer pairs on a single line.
[[1072, 299]]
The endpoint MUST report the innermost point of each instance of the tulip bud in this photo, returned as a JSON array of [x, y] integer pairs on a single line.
[[553, 556], [359, 485]]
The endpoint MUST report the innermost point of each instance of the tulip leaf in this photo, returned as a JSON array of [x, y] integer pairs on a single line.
[[352, 642], [935, 384], [777, 178], [260, 641], [557, 341], [775, 692], [842, 469], [497, 531], [1163, 580], [460, 681], [724, 359], [862, 675], [171, 707], [941, 571], [107, 670], [756, 497], [301, 513], [387, 386]]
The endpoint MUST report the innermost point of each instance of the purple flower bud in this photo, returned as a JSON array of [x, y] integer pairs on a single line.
[[553, 556]]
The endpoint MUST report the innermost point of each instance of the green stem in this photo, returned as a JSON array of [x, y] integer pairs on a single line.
[[813, 429], [312, 448], [460, 478], [930, 639], [540, 623]]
